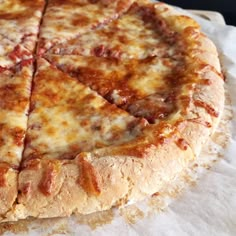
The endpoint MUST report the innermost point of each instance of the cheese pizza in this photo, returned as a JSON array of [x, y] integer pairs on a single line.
[[102, 103]]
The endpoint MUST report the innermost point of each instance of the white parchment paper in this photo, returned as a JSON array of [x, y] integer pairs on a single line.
[[207, 207]]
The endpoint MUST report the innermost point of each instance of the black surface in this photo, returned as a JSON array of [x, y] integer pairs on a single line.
[[226, 7]]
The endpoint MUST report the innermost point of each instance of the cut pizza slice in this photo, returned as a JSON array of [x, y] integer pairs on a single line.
[[64, 20], [19, 26], [67, 118], [15, 87], [137, 34]]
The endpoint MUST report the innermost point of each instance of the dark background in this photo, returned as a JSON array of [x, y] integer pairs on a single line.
[[226, 7]]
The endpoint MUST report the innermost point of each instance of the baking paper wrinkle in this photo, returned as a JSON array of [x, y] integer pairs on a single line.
[[206, 208]]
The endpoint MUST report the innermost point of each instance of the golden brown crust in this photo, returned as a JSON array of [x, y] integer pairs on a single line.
[[129, 177]]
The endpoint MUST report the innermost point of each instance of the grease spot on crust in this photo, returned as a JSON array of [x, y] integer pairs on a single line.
[[15, 227], [131, 214], [96, 219]]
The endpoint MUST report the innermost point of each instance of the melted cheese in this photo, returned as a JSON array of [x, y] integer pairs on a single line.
[[127, 79], [77, 17], [131, 36], [19, 25], [14, 102], [68, 118]]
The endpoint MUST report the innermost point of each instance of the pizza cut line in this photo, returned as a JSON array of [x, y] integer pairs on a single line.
[[102, 103]]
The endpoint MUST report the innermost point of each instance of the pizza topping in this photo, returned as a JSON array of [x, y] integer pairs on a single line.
[[59, 26], [14, 102], [88, 177]]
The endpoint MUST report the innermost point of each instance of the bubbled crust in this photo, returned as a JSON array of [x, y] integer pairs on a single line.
[[8, 191], [120, 178]]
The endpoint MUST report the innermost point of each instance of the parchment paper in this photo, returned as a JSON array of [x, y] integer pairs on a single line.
[[206, 207]]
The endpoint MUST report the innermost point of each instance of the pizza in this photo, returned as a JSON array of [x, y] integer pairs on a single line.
[[102, 103]]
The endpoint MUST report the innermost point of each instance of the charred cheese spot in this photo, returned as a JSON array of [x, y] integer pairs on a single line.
[[80, 20], [18, 135], [13, 99]]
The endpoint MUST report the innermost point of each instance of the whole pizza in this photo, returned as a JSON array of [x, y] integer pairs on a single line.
[[102, 103]]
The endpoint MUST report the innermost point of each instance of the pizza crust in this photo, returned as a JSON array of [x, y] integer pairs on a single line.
[[129, 177], [8, 193]]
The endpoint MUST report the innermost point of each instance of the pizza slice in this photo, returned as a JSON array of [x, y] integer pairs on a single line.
[[19, 26], [15, 85], [66, 118], [64, 20], [136, 34]]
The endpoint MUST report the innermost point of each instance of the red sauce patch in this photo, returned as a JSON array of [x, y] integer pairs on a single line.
[[26, 62], [2, 69], [18, 52]]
